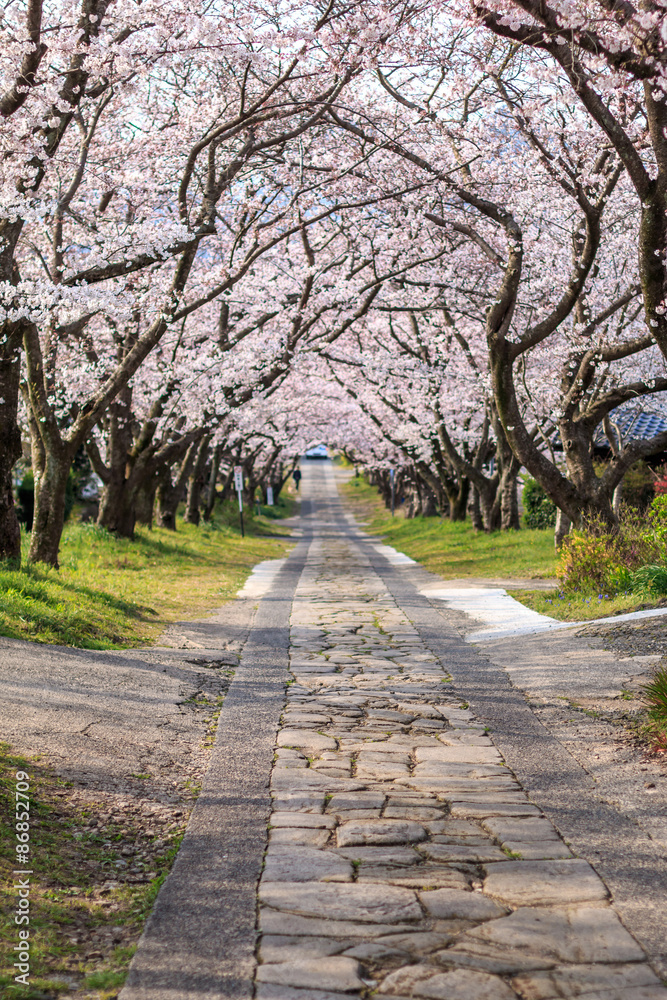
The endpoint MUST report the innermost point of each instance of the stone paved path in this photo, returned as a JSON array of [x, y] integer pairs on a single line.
[[404, 857]]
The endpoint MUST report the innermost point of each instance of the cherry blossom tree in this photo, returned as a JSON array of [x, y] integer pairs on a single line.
[[121, 201], [539, 217]]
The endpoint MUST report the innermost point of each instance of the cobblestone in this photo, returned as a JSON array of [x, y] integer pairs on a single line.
[[404, 856]]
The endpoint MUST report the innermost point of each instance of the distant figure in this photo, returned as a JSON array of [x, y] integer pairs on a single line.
[[296, 476]]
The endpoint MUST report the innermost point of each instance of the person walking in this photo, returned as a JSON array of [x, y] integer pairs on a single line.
[[296, 476]]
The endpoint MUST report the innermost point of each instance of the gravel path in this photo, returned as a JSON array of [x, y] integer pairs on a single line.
[[404, 855]]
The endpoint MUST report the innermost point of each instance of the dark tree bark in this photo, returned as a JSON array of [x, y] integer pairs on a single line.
[[211, 494], [196, 483], [10, 448], [170, 491], [475, 511], [144, 504]]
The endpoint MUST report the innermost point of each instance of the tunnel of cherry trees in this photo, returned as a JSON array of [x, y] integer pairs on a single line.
[[431, 235]]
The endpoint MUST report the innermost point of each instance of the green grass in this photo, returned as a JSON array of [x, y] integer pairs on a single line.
[[453, 550], [655, 696], [70, 864], [112, 593], [569, 607]]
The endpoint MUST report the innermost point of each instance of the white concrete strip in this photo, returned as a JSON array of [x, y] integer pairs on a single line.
[[261, 578], [507, 617], [393, 556], [495, 607]]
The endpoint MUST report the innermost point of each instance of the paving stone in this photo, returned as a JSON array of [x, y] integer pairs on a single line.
[[381, 855], [291, 924], [355, 800], [286, 948], [454, 828], [424, 943], [572, 934], [305, 739], [308, 820], [307, 779], [328, 973], [462, 841], [299, 836], [462, 984], [417, 813], [409, 797], [450, 904], [371, 903], [403, 981], [396, 744], [346, 815], [421, 710], [482, 810], [421, 877], [390, 716], [452, 853], [459, 984], [377, 771], [457, 754], [269, 991], [520, 829], [533, 850], [310, 802], [295, 719], [379, 831], [614, 981], [540, 883], [374, 952], [286, 863]]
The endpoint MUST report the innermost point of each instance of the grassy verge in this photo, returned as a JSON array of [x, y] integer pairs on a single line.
[[579, 608], [655, 695], [96, 870], [112, 593], [454, 550]]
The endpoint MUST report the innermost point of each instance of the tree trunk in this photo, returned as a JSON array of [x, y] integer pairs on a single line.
[[117, 508], [509, 497], [170, 494], [10, 449], [563, 525], [212, 480], [458, 503], [475, 510], [116, 511], [50, 495], [196, 483], [144, 504], [617, 499], [489, 503]]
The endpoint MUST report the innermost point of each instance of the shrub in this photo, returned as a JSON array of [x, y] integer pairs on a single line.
[[587, 562], [660, 484], [540, 511], [657, 517], [634, 557], [651, 580], [655, 695]]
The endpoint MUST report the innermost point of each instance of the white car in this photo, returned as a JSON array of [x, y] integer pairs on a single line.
[[319, 451]]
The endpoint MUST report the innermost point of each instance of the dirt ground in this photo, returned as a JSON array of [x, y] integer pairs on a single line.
[[117, 745]]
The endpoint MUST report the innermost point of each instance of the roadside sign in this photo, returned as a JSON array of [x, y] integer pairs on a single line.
[[238, 486]]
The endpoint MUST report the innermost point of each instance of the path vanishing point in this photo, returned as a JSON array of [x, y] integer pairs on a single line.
[[384, 814]]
